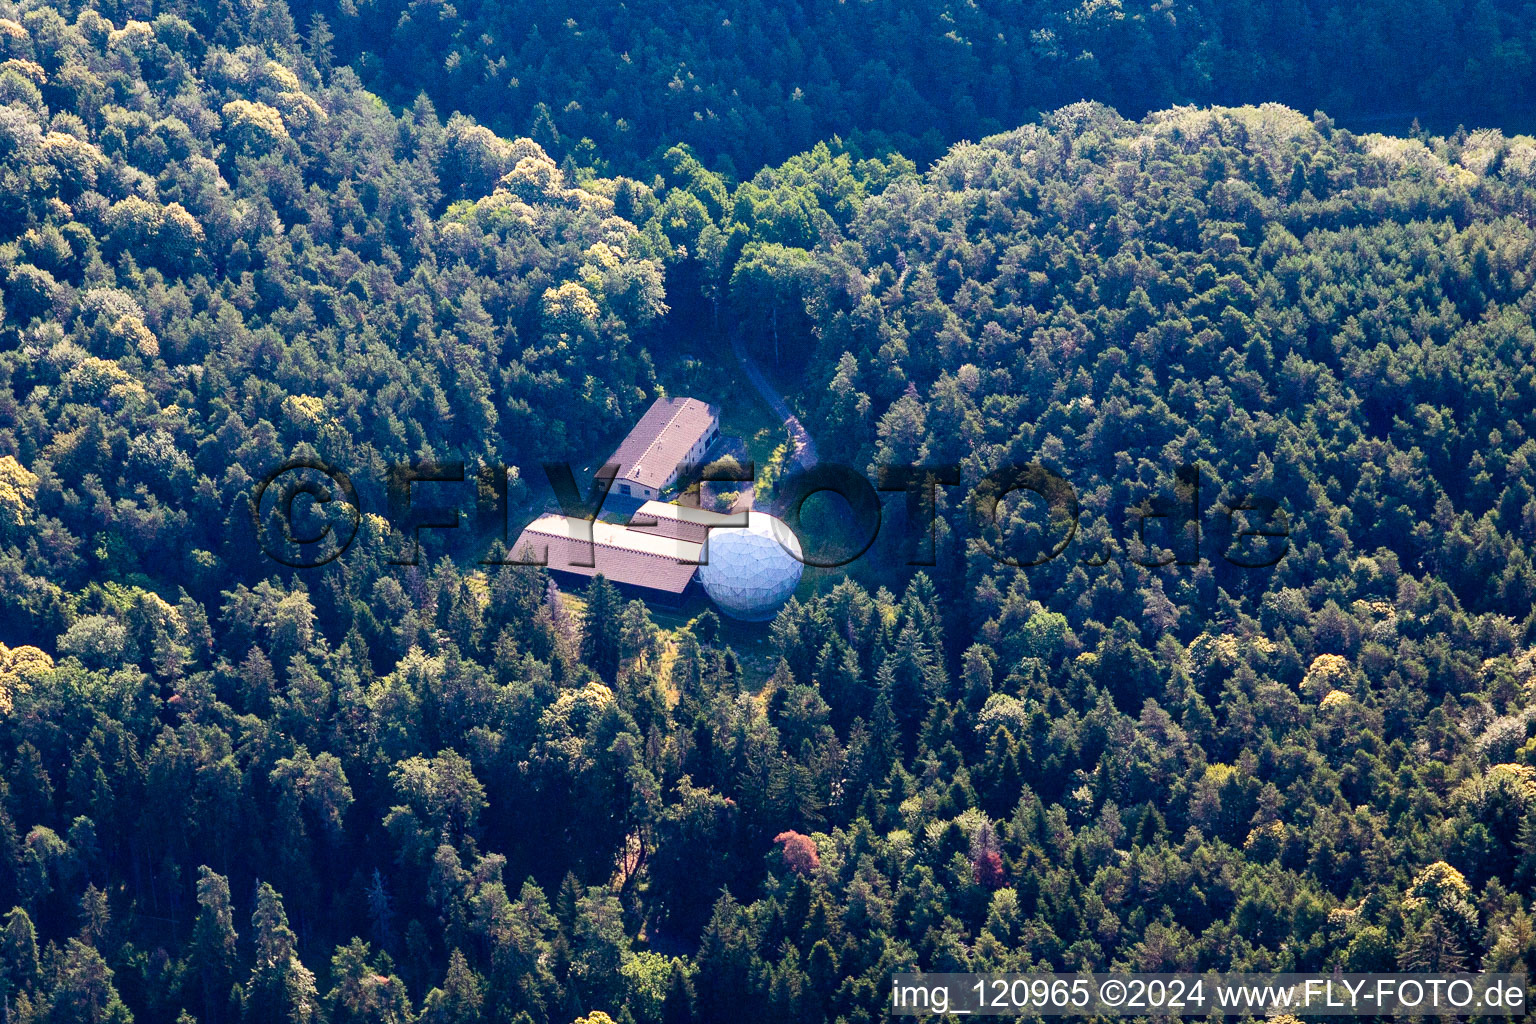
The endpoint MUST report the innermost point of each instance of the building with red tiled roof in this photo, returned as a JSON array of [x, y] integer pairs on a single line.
[[656, 566], [673, 433]]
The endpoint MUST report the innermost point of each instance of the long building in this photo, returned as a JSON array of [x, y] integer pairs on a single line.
[[646, 564], [673, 433]]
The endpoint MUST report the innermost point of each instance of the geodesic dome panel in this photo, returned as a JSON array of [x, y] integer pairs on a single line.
[[749, 573]]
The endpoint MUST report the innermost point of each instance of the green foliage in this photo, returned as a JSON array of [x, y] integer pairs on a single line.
[[436, 792], [627, 80]]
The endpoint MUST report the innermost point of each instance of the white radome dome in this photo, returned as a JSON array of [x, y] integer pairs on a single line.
[[750, 572]]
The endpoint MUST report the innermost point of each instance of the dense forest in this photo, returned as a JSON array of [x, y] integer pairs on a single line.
[[444, 792], [753, 83]]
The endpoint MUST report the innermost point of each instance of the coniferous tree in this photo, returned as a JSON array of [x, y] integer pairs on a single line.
[[281, 988], [213, 954], [19, 968], [602, 628]]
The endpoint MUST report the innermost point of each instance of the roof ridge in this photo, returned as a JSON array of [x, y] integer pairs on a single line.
[[595, 542], [651, 439], [675, 412]]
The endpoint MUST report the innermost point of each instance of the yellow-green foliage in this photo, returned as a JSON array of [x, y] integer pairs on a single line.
[[18, 667], [18, 489], [255, 124]]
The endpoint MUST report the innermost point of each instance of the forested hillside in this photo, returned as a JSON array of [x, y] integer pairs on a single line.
[[748, 84], [370, 792]]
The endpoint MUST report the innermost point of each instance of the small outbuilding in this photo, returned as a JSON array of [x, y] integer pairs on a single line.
[[683, 522]]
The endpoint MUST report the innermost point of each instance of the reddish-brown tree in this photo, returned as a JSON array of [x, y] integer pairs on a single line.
[[799, 852]]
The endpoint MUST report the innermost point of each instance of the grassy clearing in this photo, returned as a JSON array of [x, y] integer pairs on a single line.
[[750, 640], [743, 413]]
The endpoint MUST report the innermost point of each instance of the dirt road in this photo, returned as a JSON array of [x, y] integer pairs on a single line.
[[805, 446]]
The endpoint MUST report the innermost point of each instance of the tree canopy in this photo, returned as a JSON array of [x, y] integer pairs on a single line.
[[237, 790]]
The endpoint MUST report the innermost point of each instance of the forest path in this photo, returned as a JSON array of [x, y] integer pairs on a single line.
[[805, 445]]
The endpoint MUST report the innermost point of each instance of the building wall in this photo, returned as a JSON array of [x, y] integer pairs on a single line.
[[695, 454], [662, 598], [630, 489]]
